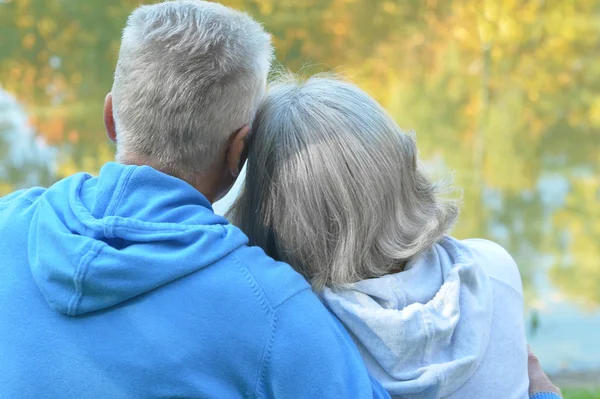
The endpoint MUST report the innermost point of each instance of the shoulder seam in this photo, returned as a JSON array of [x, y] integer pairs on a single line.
[[291, 296], [256, 288], [14, 200], [507, 285]]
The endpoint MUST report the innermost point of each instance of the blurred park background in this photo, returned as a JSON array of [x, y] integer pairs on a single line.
[[503, 93]]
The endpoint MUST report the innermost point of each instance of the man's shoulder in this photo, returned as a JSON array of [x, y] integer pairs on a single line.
[[276, 281], [21, 197]]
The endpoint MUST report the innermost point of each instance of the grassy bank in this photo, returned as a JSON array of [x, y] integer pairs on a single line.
[[578, 384], [581, 394]]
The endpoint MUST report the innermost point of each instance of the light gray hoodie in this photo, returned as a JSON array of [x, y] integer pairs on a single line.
[[449, 326]]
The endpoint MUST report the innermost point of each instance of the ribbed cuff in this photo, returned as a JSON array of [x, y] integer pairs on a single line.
[[545, 395]]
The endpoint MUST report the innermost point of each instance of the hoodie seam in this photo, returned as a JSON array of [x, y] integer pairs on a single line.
[[15, 200], [430, 333], [256, 289], [397, 293], [120, 223], [427, 327], [510, 287], [292, 296], [122, 182], [80, 275], [266, 306], [269, 349], [430, 330], [266, 359], [427, 323]]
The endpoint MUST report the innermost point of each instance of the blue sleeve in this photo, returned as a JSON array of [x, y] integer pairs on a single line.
[[312, 356], [546, 395]]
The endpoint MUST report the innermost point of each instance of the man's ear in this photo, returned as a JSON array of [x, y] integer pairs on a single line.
[[109, 119], [237, 151]]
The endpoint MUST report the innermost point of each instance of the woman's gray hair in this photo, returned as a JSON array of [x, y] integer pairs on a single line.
[[333, 186], [189, 74]]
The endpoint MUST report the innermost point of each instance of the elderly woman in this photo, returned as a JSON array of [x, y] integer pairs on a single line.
[[335, 189]]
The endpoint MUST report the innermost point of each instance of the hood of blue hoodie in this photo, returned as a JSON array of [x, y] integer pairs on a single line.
[[95, 242], [422, 332]]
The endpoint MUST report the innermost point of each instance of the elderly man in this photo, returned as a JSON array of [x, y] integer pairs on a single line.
[[127, 285]]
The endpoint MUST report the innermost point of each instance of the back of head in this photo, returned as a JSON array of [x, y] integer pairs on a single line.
[[189, 74], [333, 186]]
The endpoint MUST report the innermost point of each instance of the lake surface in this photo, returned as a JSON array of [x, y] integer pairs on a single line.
[[504, 95]]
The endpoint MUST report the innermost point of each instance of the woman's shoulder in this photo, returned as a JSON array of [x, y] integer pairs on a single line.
[[496, 261]]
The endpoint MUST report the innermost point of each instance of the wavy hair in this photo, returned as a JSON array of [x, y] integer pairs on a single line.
[[333, 186]]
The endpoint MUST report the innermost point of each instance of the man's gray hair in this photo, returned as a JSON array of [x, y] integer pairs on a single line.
[[334, 187], [189, 74]]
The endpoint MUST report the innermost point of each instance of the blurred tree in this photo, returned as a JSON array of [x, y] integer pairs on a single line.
[[58, 58], [576, 271], [505, 92]]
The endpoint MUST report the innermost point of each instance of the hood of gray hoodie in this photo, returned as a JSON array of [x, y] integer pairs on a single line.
[[422, 332]]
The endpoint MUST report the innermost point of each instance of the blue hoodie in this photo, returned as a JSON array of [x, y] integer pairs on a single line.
[[127, 285]]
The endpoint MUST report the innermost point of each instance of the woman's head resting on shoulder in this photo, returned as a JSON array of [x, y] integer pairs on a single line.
[[333, 186]]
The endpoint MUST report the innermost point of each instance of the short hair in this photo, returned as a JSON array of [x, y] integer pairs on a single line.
[[189, 74], [334, 187]]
